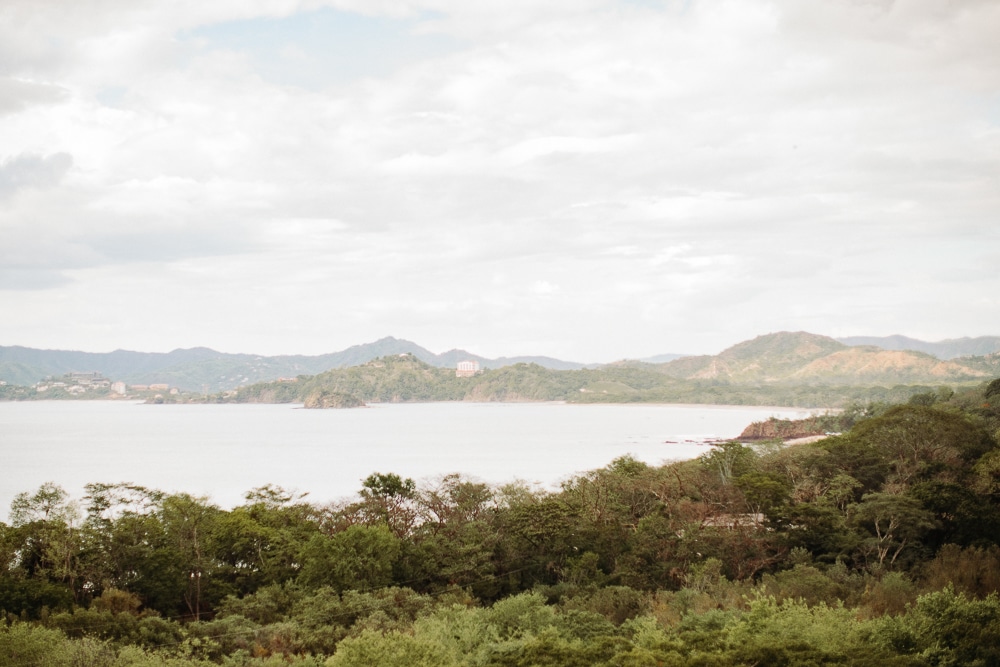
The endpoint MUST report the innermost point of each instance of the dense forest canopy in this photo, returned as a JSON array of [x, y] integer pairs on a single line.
[[875, 546]]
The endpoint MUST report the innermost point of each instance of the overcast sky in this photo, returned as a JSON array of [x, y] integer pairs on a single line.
[[587, 179]]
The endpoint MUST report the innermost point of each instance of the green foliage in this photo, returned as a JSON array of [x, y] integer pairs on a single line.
[[23, 645], [374, 649], [405, 378], [361, 557], [893, 523], [729, 460], [946, 628], [845, 551], [793, 633], [617, 604], [974, 571], [805, 583]]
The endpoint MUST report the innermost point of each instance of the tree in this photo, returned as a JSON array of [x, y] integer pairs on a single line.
[[189, 523], [765, 493], [894, 523], [455, 538], [258, 543], [374, 649], [386, 499], [44, 541], [920, 443], [729, 460], [359, 558]]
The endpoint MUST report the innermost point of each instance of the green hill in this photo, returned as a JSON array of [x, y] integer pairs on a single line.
[[804, 358], [944, 349], [763, 359], [404, 378]]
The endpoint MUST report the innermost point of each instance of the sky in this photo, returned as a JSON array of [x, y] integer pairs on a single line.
[[586, 179]]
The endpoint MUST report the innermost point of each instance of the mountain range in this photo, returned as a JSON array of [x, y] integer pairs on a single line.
[[208, 371], [945, 349], [804, 358], [784, 357]]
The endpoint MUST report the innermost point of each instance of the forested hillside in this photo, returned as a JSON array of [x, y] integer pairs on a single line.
[[401, 378], [878, 546]]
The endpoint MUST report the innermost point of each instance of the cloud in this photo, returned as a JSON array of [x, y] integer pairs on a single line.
[[33, 171], [17, 95], [28, 279], [651, 163]]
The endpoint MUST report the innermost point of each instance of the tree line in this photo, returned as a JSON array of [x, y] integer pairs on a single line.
[[405, 378], [875, 546]]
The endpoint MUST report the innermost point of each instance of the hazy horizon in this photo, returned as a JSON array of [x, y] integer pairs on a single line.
[[477, 353]]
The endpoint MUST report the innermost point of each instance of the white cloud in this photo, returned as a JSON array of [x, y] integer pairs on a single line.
[[32, 171], [599, 171]]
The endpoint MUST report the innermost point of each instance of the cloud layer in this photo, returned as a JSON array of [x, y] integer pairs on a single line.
[[589, 179]]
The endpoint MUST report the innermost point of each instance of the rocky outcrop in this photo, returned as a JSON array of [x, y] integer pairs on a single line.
[[332, 400], [785, 429]]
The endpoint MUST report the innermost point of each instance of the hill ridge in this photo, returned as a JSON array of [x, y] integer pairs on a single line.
[[207, 370], [949, 348], [802, 357], [777, 357]]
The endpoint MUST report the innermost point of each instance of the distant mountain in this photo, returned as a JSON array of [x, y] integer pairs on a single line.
[[779, 358], [804, 358], [795, 369], [451, 358], [763, 359], [662, 358], [951, 348], [209, 371]]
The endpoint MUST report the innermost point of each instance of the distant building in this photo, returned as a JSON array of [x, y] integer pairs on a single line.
[[118, 388], [85, 378], [159, 387], [467, 369]]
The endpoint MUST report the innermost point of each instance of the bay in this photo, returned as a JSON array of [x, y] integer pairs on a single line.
[[222, 451]]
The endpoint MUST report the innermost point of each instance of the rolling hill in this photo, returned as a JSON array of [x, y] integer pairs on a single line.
[[805, 358], [945, 349]]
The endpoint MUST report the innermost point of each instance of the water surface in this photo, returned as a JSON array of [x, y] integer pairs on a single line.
[[222, 451]]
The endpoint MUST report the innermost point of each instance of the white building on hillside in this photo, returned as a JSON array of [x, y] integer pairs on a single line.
[[467, 369]]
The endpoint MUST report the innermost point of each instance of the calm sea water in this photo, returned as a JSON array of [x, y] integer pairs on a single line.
[[222, 451]]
